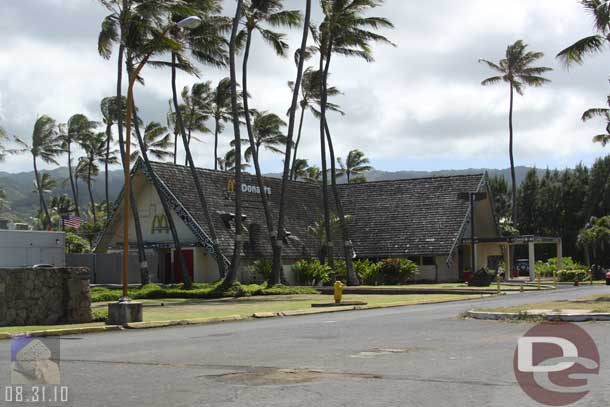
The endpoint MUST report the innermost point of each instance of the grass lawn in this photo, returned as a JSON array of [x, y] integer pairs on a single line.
[[595, 304], [180, 308]]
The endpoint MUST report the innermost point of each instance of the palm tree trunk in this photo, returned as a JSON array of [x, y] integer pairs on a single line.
[[328, 246], [235, 263], [274, 236], [72, 185], [90, 192], [352, 278], [277, 256], [512, 159], [134, 208], [190, 128], [220, 260], [108, 137], [216, 125], [296, 145], [43, 203]]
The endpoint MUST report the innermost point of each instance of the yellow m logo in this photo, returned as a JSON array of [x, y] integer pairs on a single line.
[[159, 225], [231, 185]]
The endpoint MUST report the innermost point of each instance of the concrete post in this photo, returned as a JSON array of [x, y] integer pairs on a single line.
[[559, 255], [508, 272], [532, 260]]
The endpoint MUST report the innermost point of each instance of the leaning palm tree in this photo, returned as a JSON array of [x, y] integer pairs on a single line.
[[115, 31], [257, 15], [46, 146], [346, 30], [157, 142], [516, 69], [47, 185], [196, 103], [594, 44], [310, 99], [355, 164]]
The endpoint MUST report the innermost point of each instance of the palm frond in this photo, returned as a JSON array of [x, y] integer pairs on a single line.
[[576, 53]]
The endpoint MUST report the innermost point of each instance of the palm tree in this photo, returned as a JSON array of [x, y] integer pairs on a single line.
[[355, 164], [594, 237], [220, 110], [300, 167], [94, 146], [206, 43], [62, 204], [345, 31], [604, 113], [516, 69], [157, 142], [231, 276], [576, 53], [195, 108], [256, 15], [47, 185], [313, 174], [310, 99], [111, 109], [3, 201], [267, 132], [45, 146], [115, 30]]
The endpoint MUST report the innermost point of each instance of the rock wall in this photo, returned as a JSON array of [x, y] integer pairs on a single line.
[[44, 296]]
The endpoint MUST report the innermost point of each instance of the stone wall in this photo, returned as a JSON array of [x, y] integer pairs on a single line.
[[44, 296]]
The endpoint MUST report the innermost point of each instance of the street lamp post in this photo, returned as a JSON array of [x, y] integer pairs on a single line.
[[188, 23]]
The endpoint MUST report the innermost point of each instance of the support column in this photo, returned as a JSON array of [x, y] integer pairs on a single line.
[[475, 253], [532, 260], [559, 255], [508, 272]]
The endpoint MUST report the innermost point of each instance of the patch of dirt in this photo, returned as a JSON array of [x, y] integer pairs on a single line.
[[273, 376]]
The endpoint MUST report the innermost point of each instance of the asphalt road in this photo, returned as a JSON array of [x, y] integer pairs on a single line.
[[431, 358]]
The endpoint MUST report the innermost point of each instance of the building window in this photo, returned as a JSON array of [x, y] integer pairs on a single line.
[[428, 261], [414, 259]]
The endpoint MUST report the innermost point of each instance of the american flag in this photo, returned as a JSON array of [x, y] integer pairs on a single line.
[[71, 221]]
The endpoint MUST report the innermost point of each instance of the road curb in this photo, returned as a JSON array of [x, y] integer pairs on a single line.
[[551, 316], [229, 318]]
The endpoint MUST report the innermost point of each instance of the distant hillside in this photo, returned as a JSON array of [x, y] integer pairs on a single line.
[[23, 201]]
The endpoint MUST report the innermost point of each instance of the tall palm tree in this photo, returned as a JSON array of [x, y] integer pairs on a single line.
[[206, 43], [257, 14], [111, 109], [346, 30], [594, 44], [355, 164], [300, 167], [47, 185], [516, 69], [115, 30], [310, 99], [220, 110], [231, 276], [62, 204], [157, 142], [46, 146]]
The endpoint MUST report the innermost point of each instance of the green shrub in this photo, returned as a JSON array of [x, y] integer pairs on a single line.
[[340, 271], [572, 275], [397, 271], [263, 268], [368, 272], [99, 315], [546, 269], [311, 272], [76, 244]]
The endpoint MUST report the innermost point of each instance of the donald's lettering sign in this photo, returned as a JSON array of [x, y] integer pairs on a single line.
[[251, 189]]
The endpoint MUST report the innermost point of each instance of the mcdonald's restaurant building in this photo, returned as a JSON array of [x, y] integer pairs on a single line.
[[421, 219]]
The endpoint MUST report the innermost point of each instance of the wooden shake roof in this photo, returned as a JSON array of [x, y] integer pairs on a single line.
[[388, 218]]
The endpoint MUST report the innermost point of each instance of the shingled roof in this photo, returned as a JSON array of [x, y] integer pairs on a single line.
[[389, 218], [407, 217]]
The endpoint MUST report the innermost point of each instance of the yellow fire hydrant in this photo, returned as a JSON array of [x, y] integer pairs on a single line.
[[338, 292]]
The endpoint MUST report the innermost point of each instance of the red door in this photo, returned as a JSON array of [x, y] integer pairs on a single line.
[[188, 259]]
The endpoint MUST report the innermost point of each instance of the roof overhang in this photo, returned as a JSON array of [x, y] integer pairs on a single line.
[[513, 240]]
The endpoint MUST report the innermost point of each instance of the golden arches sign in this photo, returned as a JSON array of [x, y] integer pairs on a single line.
[[159, 225], [230, 185]]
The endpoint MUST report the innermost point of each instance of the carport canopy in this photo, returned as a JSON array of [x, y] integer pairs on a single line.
[[530, 240]]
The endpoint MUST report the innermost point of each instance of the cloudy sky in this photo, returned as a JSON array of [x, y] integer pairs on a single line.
[[418, 106]]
